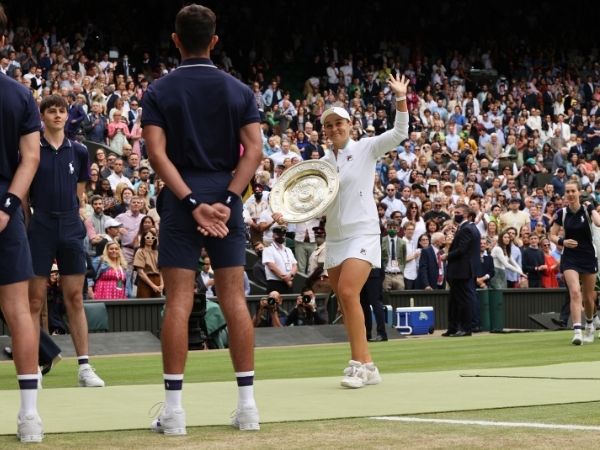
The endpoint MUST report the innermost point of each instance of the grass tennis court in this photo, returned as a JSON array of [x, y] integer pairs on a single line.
[[299, 386]]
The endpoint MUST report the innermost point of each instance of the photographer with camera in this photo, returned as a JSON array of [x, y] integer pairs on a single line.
[[269, 312], [305, 312]]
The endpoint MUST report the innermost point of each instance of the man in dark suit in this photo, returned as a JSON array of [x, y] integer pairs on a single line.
[[76, 115], [485, 272], [432, 270], [463, 260], [371, 296]]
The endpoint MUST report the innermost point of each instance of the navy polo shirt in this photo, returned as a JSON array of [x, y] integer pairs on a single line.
[[19, 115], [54, 187], [201, 109]]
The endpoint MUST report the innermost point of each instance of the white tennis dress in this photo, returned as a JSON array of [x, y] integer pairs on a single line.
[[352, 223]]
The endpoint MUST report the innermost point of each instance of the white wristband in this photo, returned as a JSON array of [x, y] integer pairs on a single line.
[[399, 99]]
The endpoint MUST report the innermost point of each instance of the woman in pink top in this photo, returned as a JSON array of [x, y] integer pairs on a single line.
[[111, 274]]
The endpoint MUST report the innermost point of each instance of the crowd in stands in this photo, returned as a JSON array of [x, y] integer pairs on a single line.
[[503, 138]]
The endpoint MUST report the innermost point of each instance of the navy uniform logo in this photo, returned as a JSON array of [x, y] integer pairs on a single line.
[[7, 203], [363, 251], [71, 168]]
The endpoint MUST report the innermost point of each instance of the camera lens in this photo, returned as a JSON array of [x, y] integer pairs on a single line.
[[271, 301], [306, 299]]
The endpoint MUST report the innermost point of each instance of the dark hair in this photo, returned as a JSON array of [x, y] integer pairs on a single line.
[[3, 21], [53, 100], [141, 227], [506, 249], [465, 209], [195, 26], [426, 236], [154, 242], [130, 190], [417, 215], [100, 192], [431, 221]]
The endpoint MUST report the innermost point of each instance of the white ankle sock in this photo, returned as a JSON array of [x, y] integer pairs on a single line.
[[28, 396], [173, 396], [245, 393]]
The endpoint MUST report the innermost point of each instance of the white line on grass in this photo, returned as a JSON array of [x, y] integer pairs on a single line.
[[485, 423]]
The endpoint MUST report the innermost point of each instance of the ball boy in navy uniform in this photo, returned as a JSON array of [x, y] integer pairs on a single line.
[[19, 159], [56, 230], [194, 120]]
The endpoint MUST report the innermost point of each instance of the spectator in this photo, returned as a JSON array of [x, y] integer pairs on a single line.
[[98, 128], [55, 304], [304, 244], [123, 195], [391, 202], [501, 253], [254, 206], [206, 279], [533, 262], [111, 274], [413, 216], [412, 256], [514, 217], [76, 116], [149, 279], [118, 132], [258, 270], [486, 271], [549, 275], [432, 269], [118, 175]]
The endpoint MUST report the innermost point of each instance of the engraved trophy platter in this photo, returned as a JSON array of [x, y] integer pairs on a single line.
[[304, 191]]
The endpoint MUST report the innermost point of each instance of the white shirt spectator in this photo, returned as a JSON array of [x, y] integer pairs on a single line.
[[279, 255]]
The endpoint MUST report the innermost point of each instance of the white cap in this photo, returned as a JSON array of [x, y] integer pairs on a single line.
[[335, 110], [110, 222]]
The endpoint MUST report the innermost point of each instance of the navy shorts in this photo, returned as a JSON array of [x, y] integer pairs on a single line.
[[179, 238], [15, 258], [57, 236]]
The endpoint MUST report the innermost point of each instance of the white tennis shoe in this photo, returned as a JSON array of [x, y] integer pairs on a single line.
[[246, 419], [170, 422], [577, 337], [88, 377], [29, 428]]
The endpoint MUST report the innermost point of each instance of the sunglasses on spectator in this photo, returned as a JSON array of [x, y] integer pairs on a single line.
[[150, 237]]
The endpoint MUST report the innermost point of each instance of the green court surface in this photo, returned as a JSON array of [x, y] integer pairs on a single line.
[[280, 400]]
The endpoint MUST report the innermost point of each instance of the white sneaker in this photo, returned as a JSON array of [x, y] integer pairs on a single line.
[[596, 322], [577, 337], [588, 334], [29, 428], [371, 374], [170, 422], [354, 375], [246, 419], [88, 377]]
